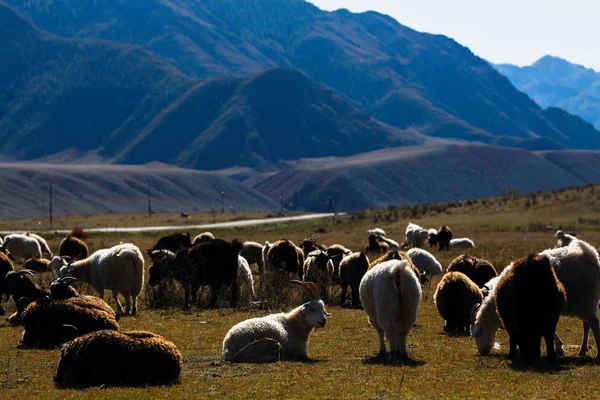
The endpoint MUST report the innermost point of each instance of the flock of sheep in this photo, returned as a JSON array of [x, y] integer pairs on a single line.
[[526, 299]]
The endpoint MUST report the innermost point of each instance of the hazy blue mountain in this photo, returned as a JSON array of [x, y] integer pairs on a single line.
[[554, 82], [402, 77]]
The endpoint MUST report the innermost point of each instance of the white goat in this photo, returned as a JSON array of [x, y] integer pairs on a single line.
[[119, 269], [577, 267], [22, 246], [462, 243], [245, 274], [563, 239], [390, 293], [276, 336], [46, 252], [416, 236], [425, 261]]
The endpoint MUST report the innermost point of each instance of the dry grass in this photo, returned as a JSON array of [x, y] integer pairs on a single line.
[[342, 354]]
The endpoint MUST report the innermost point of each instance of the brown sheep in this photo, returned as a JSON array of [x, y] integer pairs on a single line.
[[530, 299], [309, 245], [478, 270], [455, 296], [337, 252], [173, 242], [118, 359], [284, 255], [444, 236], [73, 247], [38, 265], [352, 268], [376, 245], [400, 255]]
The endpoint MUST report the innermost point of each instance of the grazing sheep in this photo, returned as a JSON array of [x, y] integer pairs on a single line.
[[73, 247], [530, 299], [444, 236], [172, 242], [416, 236], [461, 243], [284, 255], [390, 294], [245, 274], [433, 239], [309, 245], [213, 263], [425, 262], [563, 239], [203, 237], [50, 322], [46, 252], [252, 252], [318, 268], [478, 270], [277, 336], [577, 267], [352, 268], [376, 245], [454, 298], [113, 358], [337, 252], [6, 266], [22, 247], [18, 285], [119, 269], [39, 265]]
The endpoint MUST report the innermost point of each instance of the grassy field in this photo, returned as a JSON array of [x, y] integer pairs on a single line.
[[343, 362]]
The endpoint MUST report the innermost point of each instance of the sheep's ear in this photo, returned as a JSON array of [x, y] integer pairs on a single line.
[[67, 259]]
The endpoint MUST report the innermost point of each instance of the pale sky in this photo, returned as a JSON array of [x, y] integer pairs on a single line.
[[510, 31]]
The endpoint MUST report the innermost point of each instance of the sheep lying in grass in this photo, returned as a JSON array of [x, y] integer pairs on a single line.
[[563, 239], [118, 359], [478, 270], [577, 267], [277, 336], [6, 266], [19, 285], [461, 243], [119, 269], [39, 265], [390, 294], [529, 299], [73, 247], [352, 268], [425, 262], [46, 252], [454, 298], [22, 247]]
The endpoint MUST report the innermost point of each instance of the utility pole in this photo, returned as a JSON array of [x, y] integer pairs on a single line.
[[50, 205], [148, 193], [222, 200]]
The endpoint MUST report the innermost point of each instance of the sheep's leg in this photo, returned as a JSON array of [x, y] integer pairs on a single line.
[[127, 304], [550, 351], [558, 344], [382, 351], [402, 352], [585, 340], [235, 293], [343, 296], [595, 325], [213, 297], [134, 309], [119, 306], [186, 301], [355, 296], [392, 337]]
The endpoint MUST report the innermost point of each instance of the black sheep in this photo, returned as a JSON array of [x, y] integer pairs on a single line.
[[174, 242], [352, 268], [455, 296], [530, 299], [478, 270], [443, 237]]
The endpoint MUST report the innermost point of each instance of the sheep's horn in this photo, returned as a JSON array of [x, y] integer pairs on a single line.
[[67, 280], [26, 272], [474, 311], [309, 287]]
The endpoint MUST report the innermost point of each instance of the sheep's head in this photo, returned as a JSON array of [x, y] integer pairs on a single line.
[[58, 262], [559, 234], [485, 336], [160, 268], [15, 280], [61, 289], [314, 311]]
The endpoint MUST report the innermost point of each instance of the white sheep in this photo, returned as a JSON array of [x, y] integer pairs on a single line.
[[245, 274], [577, 267], [462, 243], [425, 261], [376, 231], [563, 239], [276, 336], [22, 247], [119, 269], [416, 236], [390, 293], [46, 252]]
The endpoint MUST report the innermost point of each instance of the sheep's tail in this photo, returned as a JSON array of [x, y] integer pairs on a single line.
[[137, 261]]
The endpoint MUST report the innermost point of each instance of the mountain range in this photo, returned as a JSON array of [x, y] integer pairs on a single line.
[[555, 82]]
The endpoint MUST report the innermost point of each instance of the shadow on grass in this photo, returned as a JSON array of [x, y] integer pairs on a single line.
[[543, 366], [382, 359]]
